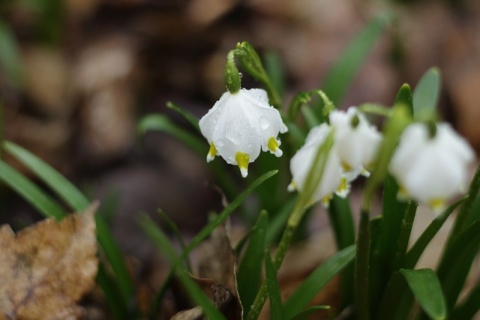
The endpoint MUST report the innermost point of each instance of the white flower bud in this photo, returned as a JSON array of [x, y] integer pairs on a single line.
[[241, 124], [356, 141], [431, 169]]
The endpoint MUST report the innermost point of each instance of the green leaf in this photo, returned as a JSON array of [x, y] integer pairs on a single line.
[[427, 291], [185, 114], [162, 123], [469, 306], [163, 244], [78, 202], [341, 220], [279, 220], [456, 262], [205, 232], [275, 71], [425, 95], [317, 280], [345, 69], [422, 242], [305, 314], [64, 188], [112, 294], [250, 268], [10, 58], [30, 192], [396, 302], [276, 308]]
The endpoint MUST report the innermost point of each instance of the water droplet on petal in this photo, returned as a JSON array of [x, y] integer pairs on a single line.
[[220, 143], [264, 123]]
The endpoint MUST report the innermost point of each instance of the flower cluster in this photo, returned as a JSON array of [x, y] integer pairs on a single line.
[[355, 146], [240, 125]]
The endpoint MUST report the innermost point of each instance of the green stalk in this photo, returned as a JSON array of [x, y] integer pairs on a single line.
[[361, 286], [314, 178]]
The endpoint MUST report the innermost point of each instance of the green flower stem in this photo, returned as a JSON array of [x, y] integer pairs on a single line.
[[251, 62], [394, 127], [292, 226], [361, 291], [375, 109], [304, 200], [404, 235]]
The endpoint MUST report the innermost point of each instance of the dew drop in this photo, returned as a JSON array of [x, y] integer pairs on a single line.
[[264, 123], [220, 143]]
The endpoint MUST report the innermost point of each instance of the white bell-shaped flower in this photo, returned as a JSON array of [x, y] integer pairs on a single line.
[[356, 141], [240, 125], [431, 169], [332, 179]]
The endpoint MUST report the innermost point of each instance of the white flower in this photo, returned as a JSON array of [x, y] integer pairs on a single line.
[[239, 125], [332, 179], [356, 141], [431, 169]]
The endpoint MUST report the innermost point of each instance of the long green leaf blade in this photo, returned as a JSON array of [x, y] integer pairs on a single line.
[[422, 242], [163, 244], [205, 232], [317, 280], [305, 314], [250, 268], [78, 202], [30, 192], [347, 66], [276, 307], [427, 291], [64, 188], [164, 124]]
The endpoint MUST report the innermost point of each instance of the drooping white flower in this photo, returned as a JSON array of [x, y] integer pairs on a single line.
[[431, 169], [356, 141], [240, 125], [332, 179]]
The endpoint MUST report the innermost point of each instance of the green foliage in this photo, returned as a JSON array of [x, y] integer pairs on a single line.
[[250, 268], [427, 291]]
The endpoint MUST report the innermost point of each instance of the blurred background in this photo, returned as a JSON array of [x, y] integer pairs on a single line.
[[76, 75]]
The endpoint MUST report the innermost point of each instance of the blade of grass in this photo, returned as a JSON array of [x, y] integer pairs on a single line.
[[65, 189], [164, 124], [250, 268], [275, 71], [422, 242], [343, 72], [317, 280], [396, 302], [163, 244], [469, 307], [305, 314], [341, 220], [204, 233], [78, 202], [455, 264], [112, 294], [30, 192], [10, 57], [185, 114], [427, 291], [276, 307]]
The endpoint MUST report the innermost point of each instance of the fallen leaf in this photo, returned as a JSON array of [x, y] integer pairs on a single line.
[[218, 264], [190, 314], [46, 268]]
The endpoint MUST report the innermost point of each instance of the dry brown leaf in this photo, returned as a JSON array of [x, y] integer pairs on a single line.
[[190, 314], [46, 268], [218, 262]]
